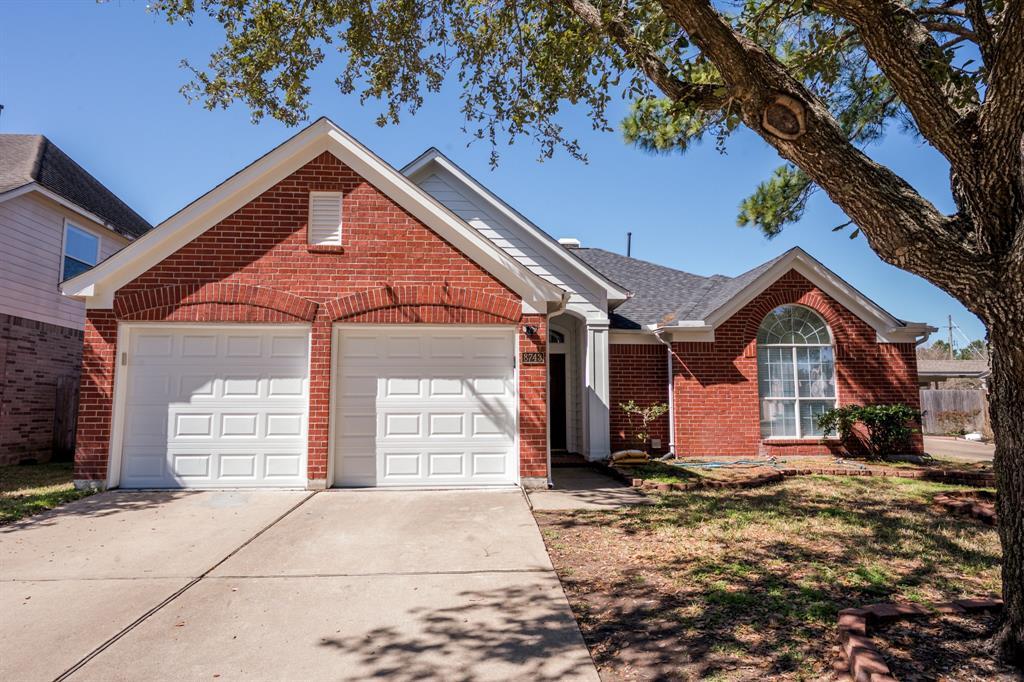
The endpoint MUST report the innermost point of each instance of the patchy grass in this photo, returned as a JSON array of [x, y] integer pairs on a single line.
[[740, 585], [33, 488]]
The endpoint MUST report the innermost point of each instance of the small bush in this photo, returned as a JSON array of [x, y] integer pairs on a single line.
[[885, 429], [955, 422], [641, 431]]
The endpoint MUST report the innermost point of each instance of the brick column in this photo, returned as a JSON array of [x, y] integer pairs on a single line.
[[533, 405], [319, 418], [95, 398]]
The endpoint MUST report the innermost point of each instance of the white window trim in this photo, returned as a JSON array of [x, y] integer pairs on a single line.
[[64, 244], [797, 398], [340, 197]]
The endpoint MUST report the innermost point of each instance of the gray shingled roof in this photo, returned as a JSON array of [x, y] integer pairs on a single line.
[[663, 295], [952, 367], [25, 159]]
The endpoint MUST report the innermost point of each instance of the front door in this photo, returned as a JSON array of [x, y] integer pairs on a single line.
[[556, 388]]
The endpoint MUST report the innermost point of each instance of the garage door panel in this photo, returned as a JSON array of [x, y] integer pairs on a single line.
[[216, 408], [414, 406]]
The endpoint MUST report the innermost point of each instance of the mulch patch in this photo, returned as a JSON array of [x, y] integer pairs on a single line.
[[979, 504], [943, 648]]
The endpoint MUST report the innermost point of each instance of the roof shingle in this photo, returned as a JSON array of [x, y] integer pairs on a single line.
[[26, 159]]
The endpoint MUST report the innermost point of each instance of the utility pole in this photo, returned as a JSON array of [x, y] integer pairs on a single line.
[[950, 328]]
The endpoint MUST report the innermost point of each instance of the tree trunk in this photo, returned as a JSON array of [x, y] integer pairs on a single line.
[[1006, 343]]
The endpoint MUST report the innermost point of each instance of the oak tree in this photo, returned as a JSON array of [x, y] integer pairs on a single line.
[[818, 80]]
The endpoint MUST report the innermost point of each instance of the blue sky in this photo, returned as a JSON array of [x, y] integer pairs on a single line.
[[101, 80]]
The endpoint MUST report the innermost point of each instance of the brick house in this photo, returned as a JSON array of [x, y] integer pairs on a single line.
[[55, 221], [323, 319]]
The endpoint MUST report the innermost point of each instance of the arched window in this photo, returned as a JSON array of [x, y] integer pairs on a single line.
[[795, 372], [555, 336]]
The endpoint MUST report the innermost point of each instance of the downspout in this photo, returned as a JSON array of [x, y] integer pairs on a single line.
[[671, 393], [547, 392]]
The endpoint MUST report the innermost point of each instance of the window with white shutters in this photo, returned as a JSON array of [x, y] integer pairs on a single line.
[[325, 218]]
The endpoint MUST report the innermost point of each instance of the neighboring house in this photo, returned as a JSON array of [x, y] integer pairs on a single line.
[[56, 220], [323, 319], [935, 373]]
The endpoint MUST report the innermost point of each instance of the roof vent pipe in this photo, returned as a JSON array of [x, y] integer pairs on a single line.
[[569, 242]]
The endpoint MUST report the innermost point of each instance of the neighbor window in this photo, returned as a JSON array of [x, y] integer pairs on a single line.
[[795, 372], [81, 251], [325, 218]]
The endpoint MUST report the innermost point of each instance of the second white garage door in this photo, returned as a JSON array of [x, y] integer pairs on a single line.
[[424, 406]]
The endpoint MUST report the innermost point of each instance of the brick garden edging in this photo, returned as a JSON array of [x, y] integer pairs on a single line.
[[861, 657], [626, 475], [979, 504]]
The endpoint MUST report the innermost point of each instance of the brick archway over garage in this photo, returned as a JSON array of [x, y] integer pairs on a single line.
[[214, 302], [424, 304]]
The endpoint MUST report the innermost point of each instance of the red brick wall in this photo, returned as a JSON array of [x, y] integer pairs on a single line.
[[256, 266], [636, 372], [716, 405], [533, 401], [34, 357], [95, 395]]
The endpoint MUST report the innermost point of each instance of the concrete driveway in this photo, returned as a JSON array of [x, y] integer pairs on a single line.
[[285, 586]]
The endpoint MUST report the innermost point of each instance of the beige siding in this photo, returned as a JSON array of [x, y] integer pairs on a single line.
[[31, 239]]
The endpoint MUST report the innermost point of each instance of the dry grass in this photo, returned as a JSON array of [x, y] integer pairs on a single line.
[[33, 488], [745, 585]]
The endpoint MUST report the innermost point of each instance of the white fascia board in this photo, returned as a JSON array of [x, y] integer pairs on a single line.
[[241, 188], [888, 328], [685, 331], [613, 292]]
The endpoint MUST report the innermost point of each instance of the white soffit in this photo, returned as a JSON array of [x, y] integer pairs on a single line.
[[98, 284]]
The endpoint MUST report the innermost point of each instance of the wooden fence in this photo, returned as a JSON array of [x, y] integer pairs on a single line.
[[936, 401], [65, 417]]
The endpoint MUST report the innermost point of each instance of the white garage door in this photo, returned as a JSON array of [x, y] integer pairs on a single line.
[[215, 407], [424, 406]]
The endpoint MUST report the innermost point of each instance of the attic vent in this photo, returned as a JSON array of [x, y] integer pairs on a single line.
[[325, 218], [569, 242]]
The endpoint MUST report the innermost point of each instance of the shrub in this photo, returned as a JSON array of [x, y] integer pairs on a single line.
[[955, 422], [885, 429], [645, 416]]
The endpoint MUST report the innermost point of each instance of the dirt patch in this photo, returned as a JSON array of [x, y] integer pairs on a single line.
[[747, 584], [945, 648]]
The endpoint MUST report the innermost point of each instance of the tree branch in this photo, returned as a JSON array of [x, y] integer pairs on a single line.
[[902, 227], [975, 11], [707, 96], [1001, 126], [915, 65]]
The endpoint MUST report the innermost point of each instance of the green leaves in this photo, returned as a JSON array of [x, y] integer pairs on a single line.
[[777, 201], [879, 429]]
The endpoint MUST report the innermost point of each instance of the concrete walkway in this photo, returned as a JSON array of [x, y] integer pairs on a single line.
[[285, 586], [585, 488]]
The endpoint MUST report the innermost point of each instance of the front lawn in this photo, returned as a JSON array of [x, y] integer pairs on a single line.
[[746, 584], [32, 488]]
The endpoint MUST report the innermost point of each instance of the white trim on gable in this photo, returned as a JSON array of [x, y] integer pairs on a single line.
[[420, 167], [889, 329], [99, 284]]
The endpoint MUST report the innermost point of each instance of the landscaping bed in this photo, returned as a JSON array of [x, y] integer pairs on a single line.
[[747, 584], [688, 474], [947, 647], [27, 489]]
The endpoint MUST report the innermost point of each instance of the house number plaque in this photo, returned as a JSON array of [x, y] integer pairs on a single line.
[[533, 358]]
